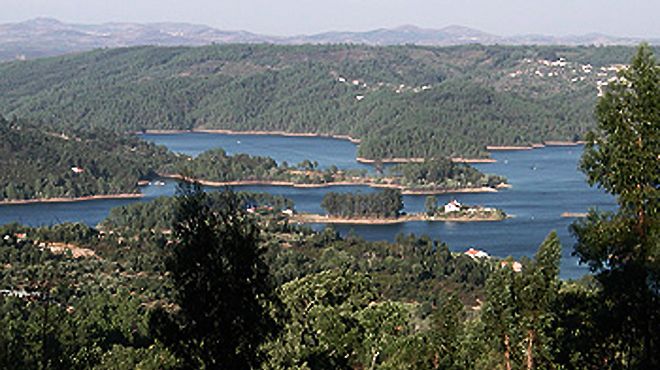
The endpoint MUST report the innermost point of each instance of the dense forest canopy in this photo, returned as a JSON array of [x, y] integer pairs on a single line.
[[443, 172], [401, 101], [158, 214], [384, 204], [45, 162]]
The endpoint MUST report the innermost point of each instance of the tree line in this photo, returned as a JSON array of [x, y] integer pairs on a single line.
[[383, 204], [443, 173], [48, 162]]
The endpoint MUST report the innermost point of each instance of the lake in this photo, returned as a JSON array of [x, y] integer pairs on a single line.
[[545, 183]]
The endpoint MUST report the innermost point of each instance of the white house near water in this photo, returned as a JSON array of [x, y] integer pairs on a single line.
[[452, 206]]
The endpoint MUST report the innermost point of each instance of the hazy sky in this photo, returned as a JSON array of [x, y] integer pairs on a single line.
[[288, 17]]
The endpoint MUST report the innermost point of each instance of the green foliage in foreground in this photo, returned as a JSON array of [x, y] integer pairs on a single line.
[[346, 303], [222, 285], [408, 101], [623, 248]]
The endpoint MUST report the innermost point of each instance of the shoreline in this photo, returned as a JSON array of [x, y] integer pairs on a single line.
[[363, 160], [252, 132], [564, 143], [311, 218], [404, 190], [574, 214], [534, 146], [71, 200], [398, 160], [508, 147], [473, 160]]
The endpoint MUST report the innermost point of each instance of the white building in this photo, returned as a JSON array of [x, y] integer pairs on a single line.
[[452, 206]]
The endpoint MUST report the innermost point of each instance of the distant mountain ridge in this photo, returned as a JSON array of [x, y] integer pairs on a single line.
[[42, 37]]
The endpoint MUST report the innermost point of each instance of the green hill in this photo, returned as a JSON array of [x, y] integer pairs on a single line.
[[44, 163], [402, 101]]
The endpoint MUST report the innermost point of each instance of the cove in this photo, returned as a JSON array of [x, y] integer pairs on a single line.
[[545, 183]]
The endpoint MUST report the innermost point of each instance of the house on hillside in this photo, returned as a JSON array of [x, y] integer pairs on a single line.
[[475, 253], [77, 170], [453, 206]]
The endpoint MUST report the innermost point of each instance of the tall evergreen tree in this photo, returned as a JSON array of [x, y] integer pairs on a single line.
[[500, 315], [222, 285], [518, 314], [540, 285], [623, 248]]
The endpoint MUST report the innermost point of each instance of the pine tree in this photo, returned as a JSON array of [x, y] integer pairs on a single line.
[[540, 286], [623, 248], [222, 285], [500, 314], [518, 313], [431, 205]]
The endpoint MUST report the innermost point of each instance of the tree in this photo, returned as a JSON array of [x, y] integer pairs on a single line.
[[323, 330], [500, 315], [222, 285], [623, 248], [539, 290], [519, 312], [431, 205]]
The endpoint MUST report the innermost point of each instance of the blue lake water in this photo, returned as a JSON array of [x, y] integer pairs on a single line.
[[545, 183], [292, 149]]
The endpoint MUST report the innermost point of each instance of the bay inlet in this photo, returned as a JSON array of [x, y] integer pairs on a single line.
[[545, 184]]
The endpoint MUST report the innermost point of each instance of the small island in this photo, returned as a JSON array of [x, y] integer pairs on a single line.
[[431, 176], [383, 208]]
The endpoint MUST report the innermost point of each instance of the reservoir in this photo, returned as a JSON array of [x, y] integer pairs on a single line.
[[545, 183]]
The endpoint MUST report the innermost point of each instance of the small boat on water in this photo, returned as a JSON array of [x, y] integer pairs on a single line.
[[159, 183]]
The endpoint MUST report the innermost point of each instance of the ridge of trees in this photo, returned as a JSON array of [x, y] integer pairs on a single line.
[[383, 204], [406, 101], [45, 162]]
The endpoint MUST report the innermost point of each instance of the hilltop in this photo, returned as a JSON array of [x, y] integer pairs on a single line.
[[41, 37], [400, 101]]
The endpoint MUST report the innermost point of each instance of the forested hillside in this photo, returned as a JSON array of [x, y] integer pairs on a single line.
[[43, 162], [39, 162], [401, 101]]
